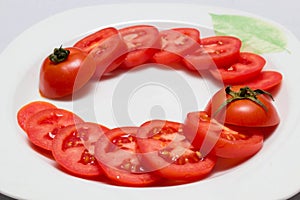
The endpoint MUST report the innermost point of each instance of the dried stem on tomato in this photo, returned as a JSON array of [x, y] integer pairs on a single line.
[[244, 93], [59, 55]]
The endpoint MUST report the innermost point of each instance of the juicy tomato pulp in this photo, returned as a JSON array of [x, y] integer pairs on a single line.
[[118, 157], [207, 133], [177, 43], [216, 51], [73, 148], [30, 109], [142, 42], [61, 79], [243, 112], [43, 126], [247, 67], [107, 47], [165, 150]]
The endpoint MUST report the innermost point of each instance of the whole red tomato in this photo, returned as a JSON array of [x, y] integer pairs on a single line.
[[242, 106], [65, 71]]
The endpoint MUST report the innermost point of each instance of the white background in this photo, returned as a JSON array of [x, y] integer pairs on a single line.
[[18, 15]]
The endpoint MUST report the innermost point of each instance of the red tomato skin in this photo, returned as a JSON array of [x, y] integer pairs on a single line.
[[142, 42], [243, 112], [115, 174], [62, 79], [219, 140], [30, 109], [266, 80], [176, 43], [248, 66], [150, 147], [70, 158], [41, 124]]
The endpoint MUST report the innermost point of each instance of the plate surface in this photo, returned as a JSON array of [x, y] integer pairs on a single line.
[[25, 174]]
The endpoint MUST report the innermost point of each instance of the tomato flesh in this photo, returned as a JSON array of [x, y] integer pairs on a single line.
[[30, 109], [166, 151], [176, 43], [266, 80], [204, 132], [142, 42], [216, 51], [248, 66], [43, 126], [73, 148], [118, 157]]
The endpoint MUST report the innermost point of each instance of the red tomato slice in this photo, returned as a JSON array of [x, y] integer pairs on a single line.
[[248, 67], [205, 132], [117, 155], [166, 150], [73, 148], [176, 43], [219, 51], [266, 80], [44, 125], [142, 42], [93, 40], [107, 47], [30, 109]]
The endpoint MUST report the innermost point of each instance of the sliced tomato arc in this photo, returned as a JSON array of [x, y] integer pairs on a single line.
[[176, 43], [43, 126], [248, 66], [30, 109], [142, 42], [215, 51], [202, 131], [266, 80], [118, 157], [165, 150], [73, 148]]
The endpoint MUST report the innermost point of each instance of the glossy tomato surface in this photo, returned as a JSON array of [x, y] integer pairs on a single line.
[[43, 126], [62, 79], [30, 109], [208, 134], [73, 148], [215, 51], [248, 66], [142, 42], [117, 155], [266, 80], [176, 43], [243, 112], [165, 150]]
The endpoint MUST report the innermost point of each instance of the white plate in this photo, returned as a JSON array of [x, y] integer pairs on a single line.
[[271, 174]]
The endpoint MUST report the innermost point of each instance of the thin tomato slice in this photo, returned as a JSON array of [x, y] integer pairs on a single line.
[[204, 132], [248, 66], [216, 51], [30, 109], [142, 42], [107, 48], [73, 148], [44, 125], [117, 155], [176, 43], [266, 80], [165, 150]]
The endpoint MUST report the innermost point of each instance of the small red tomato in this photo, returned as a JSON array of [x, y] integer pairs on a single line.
[[64, 72], [242, 106]]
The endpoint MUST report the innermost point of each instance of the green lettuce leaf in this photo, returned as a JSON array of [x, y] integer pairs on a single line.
[[257, 35]]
